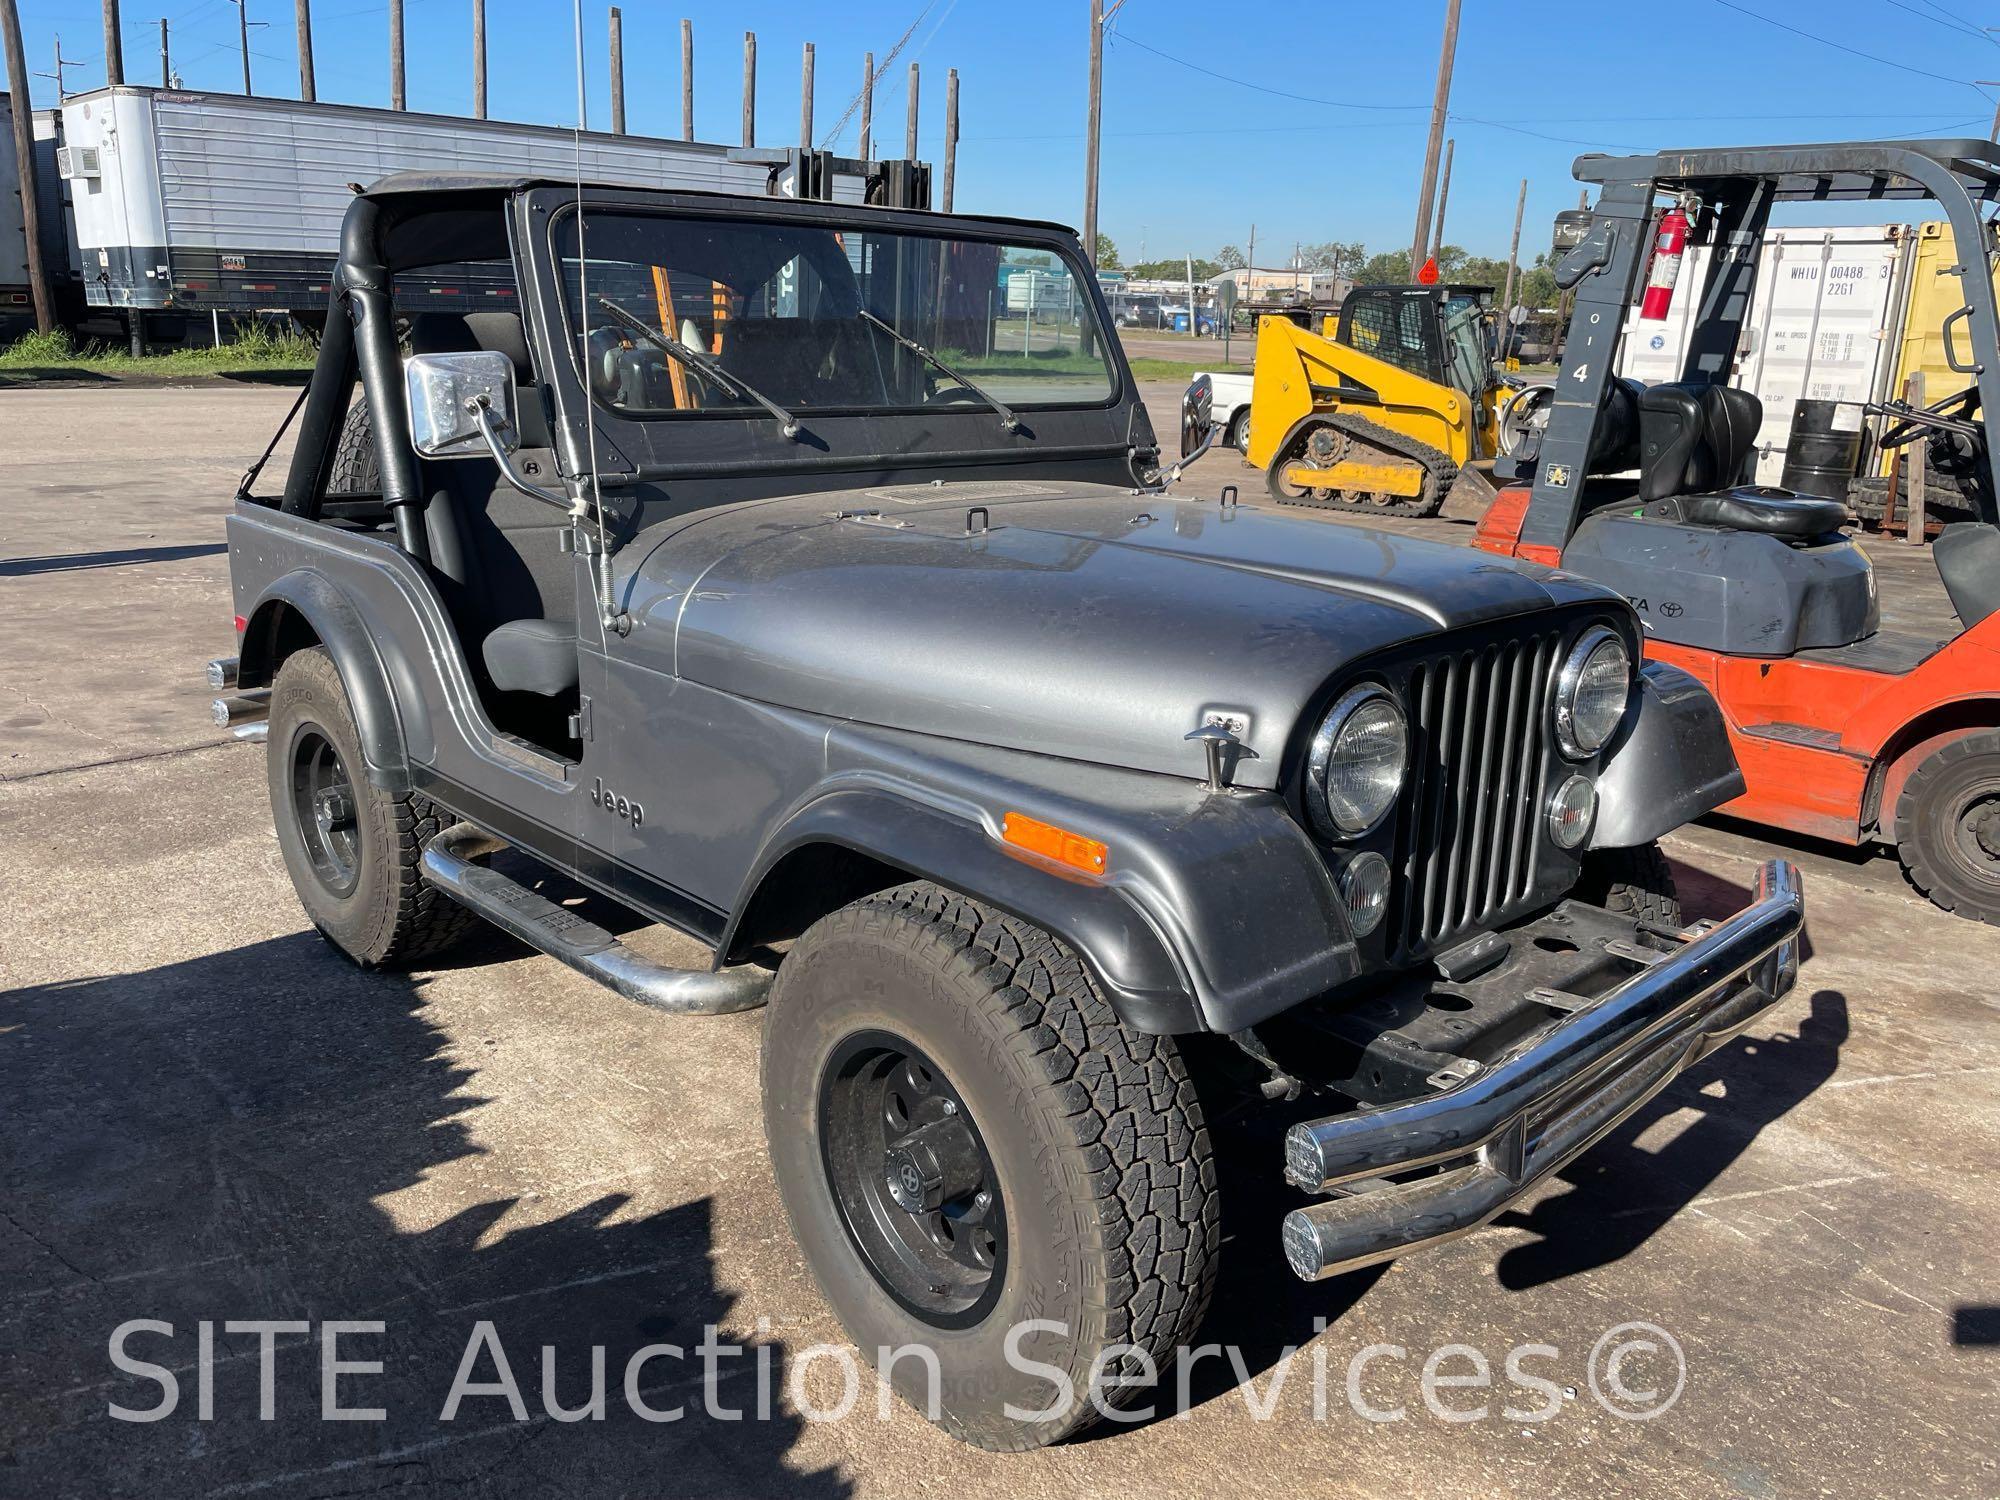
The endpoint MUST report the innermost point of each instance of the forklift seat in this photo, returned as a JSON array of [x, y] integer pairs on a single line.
[[1967, 555], [1695, 441]]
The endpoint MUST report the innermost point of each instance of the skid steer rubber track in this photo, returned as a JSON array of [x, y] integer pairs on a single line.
[[1438, 470]]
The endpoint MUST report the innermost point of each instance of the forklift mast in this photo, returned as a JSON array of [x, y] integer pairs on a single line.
[[1735, 190]]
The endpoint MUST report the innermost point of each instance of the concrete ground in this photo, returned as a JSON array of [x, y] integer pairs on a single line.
[[205, 1116]]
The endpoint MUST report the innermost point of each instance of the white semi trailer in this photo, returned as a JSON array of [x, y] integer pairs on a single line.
[[16, 305], [193, 203]]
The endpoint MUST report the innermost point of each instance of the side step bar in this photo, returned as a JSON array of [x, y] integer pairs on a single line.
[[583, 945]]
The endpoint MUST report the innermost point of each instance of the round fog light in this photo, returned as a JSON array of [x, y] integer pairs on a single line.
[[1364, 890], [1572, 812]]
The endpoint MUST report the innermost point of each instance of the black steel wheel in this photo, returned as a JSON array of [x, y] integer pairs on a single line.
[[912, 1178], [352, 849], [322, 806], [1948, 827]]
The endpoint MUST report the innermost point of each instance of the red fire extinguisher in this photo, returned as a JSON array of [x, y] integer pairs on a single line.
[[1669, 246]]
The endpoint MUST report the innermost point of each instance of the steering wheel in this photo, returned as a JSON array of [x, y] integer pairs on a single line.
[[956, 395], [1956, 407], [1523, 415]]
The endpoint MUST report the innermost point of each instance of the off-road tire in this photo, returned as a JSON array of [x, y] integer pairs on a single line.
[[1636, 882], [1094, 1131], [1926, 815], [392, 917], [357, 469]]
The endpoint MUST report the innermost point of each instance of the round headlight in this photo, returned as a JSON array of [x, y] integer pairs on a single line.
[[1357, 763], [1592, 690], [1364, 891], [1572, 812]]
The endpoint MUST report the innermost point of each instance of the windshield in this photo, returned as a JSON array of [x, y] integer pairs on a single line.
[[780, 307]]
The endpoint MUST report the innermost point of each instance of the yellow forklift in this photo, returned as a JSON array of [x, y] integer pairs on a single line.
[[1392, 414]]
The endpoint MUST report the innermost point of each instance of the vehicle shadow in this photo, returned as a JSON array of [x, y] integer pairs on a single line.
[[117, 557], [269, 1133]]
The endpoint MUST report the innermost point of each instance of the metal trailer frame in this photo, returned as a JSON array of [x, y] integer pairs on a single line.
[[1738, 187]]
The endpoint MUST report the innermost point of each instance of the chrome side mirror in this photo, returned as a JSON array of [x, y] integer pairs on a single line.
[[447, 395]]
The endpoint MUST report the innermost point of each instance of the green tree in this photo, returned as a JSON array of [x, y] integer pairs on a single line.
[[1229, 258], [1341, 257], [1388, 269], [1174, 269], [1107, 253]]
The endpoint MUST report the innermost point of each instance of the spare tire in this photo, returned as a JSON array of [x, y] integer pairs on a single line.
[[356, 468]]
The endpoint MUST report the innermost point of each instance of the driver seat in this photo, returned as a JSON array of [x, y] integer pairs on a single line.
[[1694, 442]]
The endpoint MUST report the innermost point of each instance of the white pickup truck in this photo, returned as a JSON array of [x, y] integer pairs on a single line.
[[1231, 397]]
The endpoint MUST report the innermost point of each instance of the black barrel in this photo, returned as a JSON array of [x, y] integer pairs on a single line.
[[1818, 459]]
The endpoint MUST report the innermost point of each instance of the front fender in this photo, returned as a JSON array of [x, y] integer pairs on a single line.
[[1130, 961], [1216, 911], [336, 622], [1670, 764]]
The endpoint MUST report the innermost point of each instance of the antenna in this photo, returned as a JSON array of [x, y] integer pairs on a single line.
[[609, 617]]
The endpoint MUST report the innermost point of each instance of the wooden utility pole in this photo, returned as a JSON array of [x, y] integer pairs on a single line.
[[243, 36], [1444, 197], [749, 88], [950, 133], [910, 129], [1440, 104], [687, 79], [617, 72], [806, 100], [166, 58], [478, 59], [397, 97], [1514, 255], [24, 157], [114, 45], [867, 104], [303, 20]]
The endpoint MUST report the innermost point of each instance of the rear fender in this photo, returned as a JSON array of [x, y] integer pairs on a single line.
[[272, 631]]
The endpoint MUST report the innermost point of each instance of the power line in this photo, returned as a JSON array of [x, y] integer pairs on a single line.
[[1949, 23], [1874, 57], [855, 103], [1131, 41]]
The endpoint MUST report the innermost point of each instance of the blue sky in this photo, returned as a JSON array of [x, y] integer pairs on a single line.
[[1305, 118]]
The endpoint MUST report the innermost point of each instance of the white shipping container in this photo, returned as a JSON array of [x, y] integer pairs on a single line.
[[1823, 325]]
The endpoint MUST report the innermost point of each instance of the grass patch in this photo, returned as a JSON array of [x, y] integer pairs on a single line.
[[1179, 369], [56, 356]]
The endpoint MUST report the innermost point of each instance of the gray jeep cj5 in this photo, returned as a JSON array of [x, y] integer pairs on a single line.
[[778, 573]]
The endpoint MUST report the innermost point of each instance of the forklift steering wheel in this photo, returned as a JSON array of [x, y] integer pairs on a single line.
[[1523, 415], [1956, 407]]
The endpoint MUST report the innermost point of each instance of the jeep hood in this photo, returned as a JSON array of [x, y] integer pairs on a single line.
[[1080, 621]]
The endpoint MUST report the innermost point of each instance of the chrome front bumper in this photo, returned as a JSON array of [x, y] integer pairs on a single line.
[[1491, 1137]]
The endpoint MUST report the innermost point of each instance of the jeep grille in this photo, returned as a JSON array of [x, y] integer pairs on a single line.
[[1471, 828]]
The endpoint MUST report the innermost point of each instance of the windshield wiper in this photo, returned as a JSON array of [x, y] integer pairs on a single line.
[[1007, 418], [708, 364]]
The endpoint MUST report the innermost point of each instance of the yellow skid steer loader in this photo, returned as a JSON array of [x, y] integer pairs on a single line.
[[1393, 414]]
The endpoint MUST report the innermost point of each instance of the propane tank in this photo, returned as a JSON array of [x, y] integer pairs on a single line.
[[1669, 248]]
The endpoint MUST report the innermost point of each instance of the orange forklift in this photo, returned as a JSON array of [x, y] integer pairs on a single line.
[[1845, 730]]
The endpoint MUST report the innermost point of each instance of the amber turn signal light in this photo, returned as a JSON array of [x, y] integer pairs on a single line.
[[1058, 845]]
